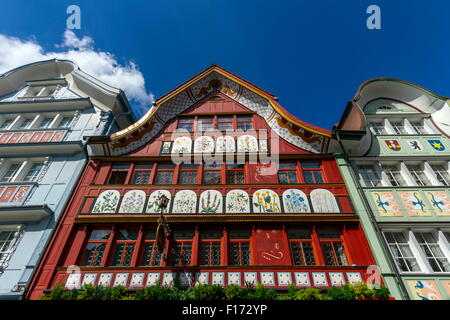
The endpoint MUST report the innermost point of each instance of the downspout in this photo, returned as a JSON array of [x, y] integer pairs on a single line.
[[375, 224]]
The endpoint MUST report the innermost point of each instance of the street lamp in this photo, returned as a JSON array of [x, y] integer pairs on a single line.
[[163, 229]]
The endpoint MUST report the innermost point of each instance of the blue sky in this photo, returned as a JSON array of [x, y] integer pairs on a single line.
[[313, 55]]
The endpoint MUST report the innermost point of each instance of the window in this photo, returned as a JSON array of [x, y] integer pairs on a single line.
[[441, 174], [8, 239], [188, 173], [204, 124], [211, 173], [186, 124], [386, 108], [401, 251], [225, 123], [433, 253], [125, 243], [418, 127], [394, 175], [181, 253], [239, 247], [210, 244], [287, 172], [399, 127], [419, 175], [11, 173], [95, 248], [332, 247], [45, 123], [119, 173], [164, 173], [235, 174], [6, 124], [142, 173], [369, 176], [244, 123], [378, 127], [301, 246], [150, 256], [312, 172], [65, 122], [33, 174], [26, 123]]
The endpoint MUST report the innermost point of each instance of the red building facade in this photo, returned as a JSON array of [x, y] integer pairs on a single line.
[[253, 198]]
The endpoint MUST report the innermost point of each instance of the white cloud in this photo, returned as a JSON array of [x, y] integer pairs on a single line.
[[102, 65]]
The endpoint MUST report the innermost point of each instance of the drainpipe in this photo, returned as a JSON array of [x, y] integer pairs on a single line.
[[375, 224]]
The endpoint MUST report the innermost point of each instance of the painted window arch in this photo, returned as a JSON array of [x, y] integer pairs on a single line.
[[237, 201], [211, 201], [133, 202], [323, 201], [247, 143], [295, 201], [266, 201], [153, 205], [204, 144], [185, 201], [107, 202], [182, 145], [225, 144]]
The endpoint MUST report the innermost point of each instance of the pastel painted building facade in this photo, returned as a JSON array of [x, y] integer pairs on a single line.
[[253, 198], [394, 153], [46, 108]]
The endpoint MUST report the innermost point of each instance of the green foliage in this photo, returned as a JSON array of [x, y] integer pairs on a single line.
[[262, 293], [234, 292], [308, 294], [345, 292]]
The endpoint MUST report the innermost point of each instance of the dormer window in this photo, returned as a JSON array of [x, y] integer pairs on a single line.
[[45, 123], [26, 123], [6, 124], [40, 91], [66, 122], [386, 108]]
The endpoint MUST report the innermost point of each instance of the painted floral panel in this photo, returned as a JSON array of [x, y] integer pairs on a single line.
[[204, 144], [182, 145], [247, 143], [225, 144], [211, 202], [107, 202], [133, 202], [153, 204], [263, 146], [237, 201], [266, 201], [323, 201], [424, 290], [166, 146], [185, 202], [387, 205], [295, 201], [440, 202], [446, 285], [414, 204], [20, 194]]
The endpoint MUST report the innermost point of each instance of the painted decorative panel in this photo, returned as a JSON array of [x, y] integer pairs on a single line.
[[152, 279], [73, 281], [107, 202], [201, 278], [152, 206], [225, 144], [302, 279], [266, 201], [234, 278], [263, 146], [121, 280], [37, 137], [320, 279], [387, 205], [446, 285], [211, 202], [182, 145], [284, 279], [168, 278], [354, 277], [237, 201], [89, 279], [218, 278], [323, 201], [250, 278], [267, 278], [105, 280], [337, 278], [133, 202], [166, 145], [413, 202], [137, 280], [204, 144], [185, 202], [186, 278], [295, 201], [247, 143], [440, 202], [424, 290]]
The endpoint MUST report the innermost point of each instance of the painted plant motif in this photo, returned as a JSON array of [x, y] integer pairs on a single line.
[[440, 202], [204, 144], [185, 202], [211, 202], [295, 201], [247, 143], [133, 202], [153, 203], [107, 202], [323, 201], [182, 145], [237, 201], [266, 201], [386, 204], [424, 290], [225, 144], [413, 203]]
